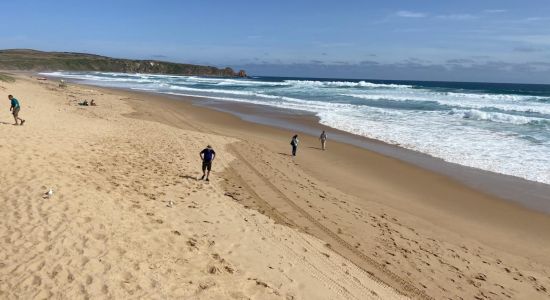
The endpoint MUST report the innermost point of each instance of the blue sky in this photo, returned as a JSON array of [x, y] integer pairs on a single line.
[[501, 41]]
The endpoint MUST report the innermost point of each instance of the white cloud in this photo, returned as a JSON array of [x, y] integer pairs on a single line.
[[410, 14]]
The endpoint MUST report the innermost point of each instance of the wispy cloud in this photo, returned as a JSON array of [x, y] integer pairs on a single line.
[[527, 49], [368, 62], [341, 62], [538, 39], [410, 14], [416, 60], [460, 61], [409, 30], [450, 16], [528, 21], [484, 57], [535, 19], [495, 11], [457, 17], [333, 45]]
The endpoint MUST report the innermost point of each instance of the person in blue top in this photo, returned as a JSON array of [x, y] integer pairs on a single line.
[[14, 108], [207, 155]]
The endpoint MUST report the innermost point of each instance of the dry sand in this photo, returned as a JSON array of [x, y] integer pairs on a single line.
[[327, 225], [108, 232]]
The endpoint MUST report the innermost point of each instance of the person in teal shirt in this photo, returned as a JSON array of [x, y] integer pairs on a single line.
[[15, 108]]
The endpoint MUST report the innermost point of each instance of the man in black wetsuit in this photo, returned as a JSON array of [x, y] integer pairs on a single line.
[[207, 155]]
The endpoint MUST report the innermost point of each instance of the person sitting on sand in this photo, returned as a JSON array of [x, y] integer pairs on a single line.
[[294, 143], [323, 139], [92, 103], [15, 108], [207, 155]]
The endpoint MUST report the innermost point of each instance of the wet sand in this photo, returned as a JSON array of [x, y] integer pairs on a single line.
[[533, 195]]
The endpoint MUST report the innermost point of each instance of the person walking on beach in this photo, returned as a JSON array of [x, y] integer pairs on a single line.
[[323, 139], [15, 108], [207, 155], [294, 143]]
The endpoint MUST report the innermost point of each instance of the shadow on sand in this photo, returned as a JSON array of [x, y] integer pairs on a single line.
[[285, 154], [189, 177], [316, 148]]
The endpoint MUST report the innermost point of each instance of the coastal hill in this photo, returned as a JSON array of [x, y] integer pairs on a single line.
[[33, 60]]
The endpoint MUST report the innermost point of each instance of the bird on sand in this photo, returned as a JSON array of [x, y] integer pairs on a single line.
[[49, 193]]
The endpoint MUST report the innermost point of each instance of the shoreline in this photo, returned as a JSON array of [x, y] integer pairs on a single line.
[[466, 120], [529, 194]]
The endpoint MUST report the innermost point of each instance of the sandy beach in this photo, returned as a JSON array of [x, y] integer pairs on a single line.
[[346, 223]]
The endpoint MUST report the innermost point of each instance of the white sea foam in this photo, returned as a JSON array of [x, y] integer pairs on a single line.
[[474, 114], [466, 145], [284, 102], [233, 92], [426, 95], [516, 103], [315, 83]]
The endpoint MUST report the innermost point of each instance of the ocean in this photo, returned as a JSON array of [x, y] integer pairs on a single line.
[[503, 128]]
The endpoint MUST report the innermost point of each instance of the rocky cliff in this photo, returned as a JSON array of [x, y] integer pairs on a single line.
[[32, 60]]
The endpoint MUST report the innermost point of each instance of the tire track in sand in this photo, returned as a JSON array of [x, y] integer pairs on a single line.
[[375, 270]]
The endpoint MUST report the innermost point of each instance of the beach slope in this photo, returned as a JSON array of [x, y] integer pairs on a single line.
[[129, 219]]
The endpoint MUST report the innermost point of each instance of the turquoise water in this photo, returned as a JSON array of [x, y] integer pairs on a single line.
[[503, 128]]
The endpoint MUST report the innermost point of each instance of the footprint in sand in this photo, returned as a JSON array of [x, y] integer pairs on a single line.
[[37, 280], [56, 271]]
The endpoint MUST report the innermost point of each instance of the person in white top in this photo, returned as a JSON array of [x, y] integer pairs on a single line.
[[323, 139]]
